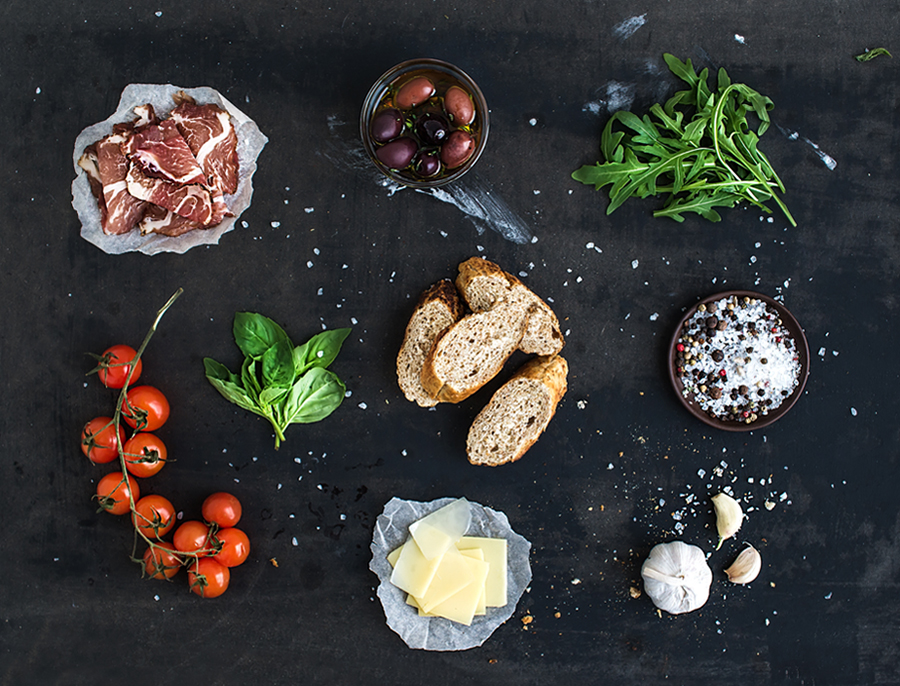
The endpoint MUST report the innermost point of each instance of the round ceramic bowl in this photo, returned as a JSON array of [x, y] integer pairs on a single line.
[[749, 419], [435, 126]]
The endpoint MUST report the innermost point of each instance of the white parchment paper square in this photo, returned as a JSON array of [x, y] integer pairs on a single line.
[[250, 143], [437, 633]]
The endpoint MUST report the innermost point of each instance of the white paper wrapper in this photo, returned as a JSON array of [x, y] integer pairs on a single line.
[[437, 633], [251, 141]]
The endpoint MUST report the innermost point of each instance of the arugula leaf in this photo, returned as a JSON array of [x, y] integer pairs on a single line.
[[254, 333], [698, 148], [872, 54]]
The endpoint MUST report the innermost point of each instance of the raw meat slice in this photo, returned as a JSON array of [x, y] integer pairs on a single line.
[[211, 137], [165, 222], [161, 152], [190, 201], [123, 210]]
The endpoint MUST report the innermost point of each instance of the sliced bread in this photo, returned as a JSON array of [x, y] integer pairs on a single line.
[[471, 352], [437, 309], [483, 284], [518, 412]]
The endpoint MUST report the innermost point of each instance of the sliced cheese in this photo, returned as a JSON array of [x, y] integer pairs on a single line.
[[393, 555], [495, 554], [478, 554], [412, 572], [437, 532], [462, 605], [453, 573]]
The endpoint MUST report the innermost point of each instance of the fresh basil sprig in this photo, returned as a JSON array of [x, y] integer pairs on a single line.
[[284, 383], [698, 149]]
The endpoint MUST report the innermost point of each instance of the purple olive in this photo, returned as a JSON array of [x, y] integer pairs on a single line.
[[386, 125], [457, 149], [428, 164], [398, 153], [432, 129]]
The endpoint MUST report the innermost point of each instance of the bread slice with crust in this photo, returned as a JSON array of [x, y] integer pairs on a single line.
[[483, 284], [518, 412], [437, 309], [471, 352]]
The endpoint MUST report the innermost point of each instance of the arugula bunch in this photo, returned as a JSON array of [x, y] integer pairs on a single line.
[[698, 148], [284, 383]]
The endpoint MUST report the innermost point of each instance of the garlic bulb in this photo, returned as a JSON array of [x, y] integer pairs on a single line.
[[676, 577], [729, 516], [746, 567]]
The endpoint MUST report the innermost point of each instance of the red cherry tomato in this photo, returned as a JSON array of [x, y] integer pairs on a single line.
[[208, 578], [159, 563], [235, 547], [113, 491], [99, 441], [154, 516], [145, 408], [114, 366], [222, 509], [193, 536], [145, 454]]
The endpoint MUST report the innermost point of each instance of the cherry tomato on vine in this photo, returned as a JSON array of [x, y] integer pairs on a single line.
[[222, 509], [99, 441], [113, 490], [145, 408], [153, 516], [145, 454], [235, 547], [208, 578], [193, 536], [113, 366], [159, 563]]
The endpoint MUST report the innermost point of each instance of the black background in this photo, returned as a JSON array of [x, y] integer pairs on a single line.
[[601, 486]]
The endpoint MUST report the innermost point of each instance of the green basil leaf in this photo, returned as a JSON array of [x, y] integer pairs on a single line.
[[313, 397], [249, 379], [278, 365], [319, 351], [218, 371], [254, 333], [270, 396], [232, 392]]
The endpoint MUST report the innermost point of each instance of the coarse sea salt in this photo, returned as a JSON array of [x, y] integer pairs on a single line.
[[741, 367]]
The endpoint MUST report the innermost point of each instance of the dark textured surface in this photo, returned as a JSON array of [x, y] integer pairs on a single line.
[[602, 485]]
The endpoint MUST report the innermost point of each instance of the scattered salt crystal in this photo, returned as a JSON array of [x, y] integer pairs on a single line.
[[309, 264], [821, 352], [634, 264], [701, 473], [654, 316], [537, 192], [309, 210], [294, 541], [853, 411], [275, 225], [362, 406], [609, 466], [532, 121]]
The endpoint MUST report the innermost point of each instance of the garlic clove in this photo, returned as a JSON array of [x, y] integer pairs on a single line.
[[729, 516], [746, 567]]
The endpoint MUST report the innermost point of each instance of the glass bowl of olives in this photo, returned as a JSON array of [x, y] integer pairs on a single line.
[[424, 123]]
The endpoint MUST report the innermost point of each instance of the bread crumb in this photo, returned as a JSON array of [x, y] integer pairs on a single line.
[[274, 562]]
